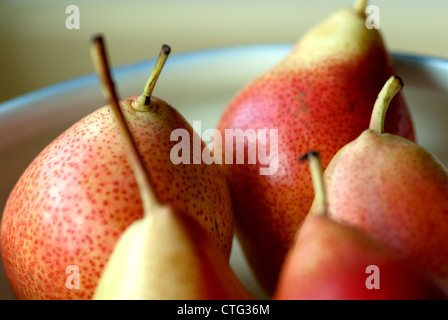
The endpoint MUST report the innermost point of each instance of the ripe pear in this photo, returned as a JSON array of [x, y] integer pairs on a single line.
[[79, 194], [392, 189], [319, 97], [333, 261], [166, 254]]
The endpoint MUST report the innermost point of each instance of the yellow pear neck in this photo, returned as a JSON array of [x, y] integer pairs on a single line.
[[341, 36]]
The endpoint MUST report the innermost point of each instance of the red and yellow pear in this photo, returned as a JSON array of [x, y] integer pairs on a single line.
[[393, 189], [76, 198], [319, 97], [333, 261], [166, 254]]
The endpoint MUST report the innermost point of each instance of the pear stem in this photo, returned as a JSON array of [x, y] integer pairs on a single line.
[[149, 198], [360, 6], [315, 163], [142, 103], [389, 90]]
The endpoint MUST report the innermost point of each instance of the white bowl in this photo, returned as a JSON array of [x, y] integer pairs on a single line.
[[199, 85]]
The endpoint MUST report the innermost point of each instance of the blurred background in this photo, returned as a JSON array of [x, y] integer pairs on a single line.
[[37, 50]]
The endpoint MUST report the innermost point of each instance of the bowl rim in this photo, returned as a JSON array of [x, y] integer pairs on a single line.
[[24, 100]]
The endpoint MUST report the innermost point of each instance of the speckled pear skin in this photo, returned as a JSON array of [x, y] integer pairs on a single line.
[[319, 97], [395, 191], [79, 194]]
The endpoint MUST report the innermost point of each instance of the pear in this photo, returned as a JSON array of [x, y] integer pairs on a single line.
[[318, 97], [393, 189], [166, 254], [68, 209], [330, 260]]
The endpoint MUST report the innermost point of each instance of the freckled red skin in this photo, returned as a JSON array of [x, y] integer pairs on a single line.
[[321, 108], [79, 194]]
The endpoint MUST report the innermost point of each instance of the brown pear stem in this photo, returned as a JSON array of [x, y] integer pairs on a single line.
[[315, 163], [360, 6], [149, 198], [142, 103], [389, 90]]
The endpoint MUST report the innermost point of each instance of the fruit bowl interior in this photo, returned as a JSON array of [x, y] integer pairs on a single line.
[[199, 85]]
